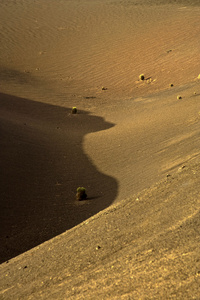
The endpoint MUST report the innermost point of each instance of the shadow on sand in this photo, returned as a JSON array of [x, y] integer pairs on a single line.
[[42, 164]]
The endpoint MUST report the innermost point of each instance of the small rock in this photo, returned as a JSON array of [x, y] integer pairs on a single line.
[[181, 168], [179, 97], [81, 194], [141, 77], [104, 88], [74, 110], [98, 247]]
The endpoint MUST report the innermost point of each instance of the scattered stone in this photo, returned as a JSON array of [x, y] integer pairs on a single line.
[[90, 97], [98, 247], [168, 51], [171, 85], [104, 88], [179, 97], [74, 110], [168, 175], [81, 194], [141, 77], [181, 168]]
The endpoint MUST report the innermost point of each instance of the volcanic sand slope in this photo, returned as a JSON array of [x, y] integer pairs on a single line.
[[145, 247], [58, 54]]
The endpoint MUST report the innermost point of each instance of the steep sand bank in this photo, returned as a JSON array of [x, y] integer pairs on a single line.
[[146, 247]]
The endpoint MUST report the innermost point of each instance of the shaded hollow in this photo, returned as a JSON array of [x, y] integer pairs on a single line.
[[42, 164]]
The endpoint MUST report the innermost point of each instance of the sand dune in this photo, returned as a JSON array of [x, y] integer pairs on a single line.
[[126, 137], [82, 47]]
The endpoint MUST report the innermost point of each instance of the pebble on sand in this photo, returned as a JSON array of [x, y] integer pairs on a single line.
[[141, 77], [98, 247], [81, 194], [74, 110]]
